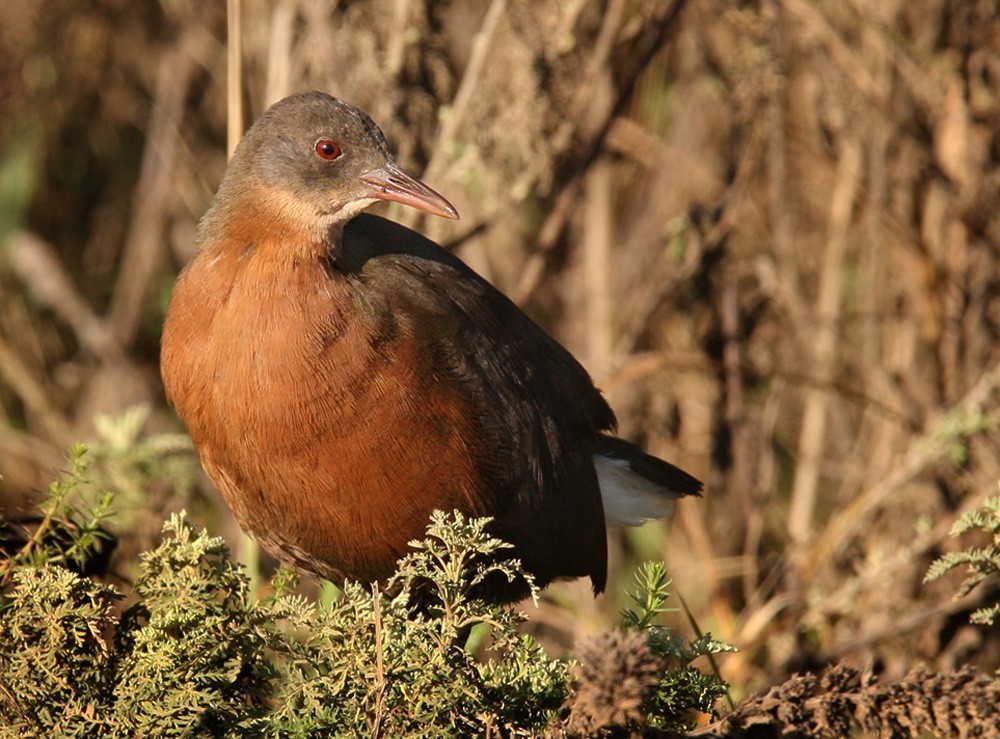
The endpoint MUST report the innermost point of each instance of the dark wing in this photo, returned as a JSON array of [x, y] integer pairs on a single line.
[[538, 414]]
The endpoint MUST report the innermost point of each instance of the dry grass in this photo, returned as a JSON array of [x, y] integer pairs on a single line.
[[770, 229]]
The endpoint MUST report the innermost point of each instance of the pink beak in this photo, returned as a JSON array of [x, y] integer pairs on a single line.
[[392, 182]]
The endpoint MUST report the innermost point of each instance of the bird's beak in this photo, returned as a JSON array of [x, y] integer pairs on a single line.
[[392, 182]]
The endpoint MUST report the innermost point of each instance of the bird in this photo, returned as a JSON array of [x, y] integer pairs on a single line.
[[342, 376]]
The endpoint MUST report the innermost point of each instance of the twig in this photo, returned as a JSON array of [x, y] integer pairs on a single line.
[[15, 443], [396, 48], [35, 262], [279, 54], [460, 103], [598, 62], [32, 394], [778, 163], [923, 452], [597, 264], [903, 623], [634, 140], [803, 500], [844, 57], [904, 416], [379, 663], [555, 222], [599, 217], [878, 573], [234, 73], [700, 633], [153, 192], [639, 365], [928, 95], [740, 480]]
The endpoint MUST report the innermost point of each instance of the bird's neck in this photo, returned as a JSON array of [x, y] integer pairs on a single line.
[[269, 226]]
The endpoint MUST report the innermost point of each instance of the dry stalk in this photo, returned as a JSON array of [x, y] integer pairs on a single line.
[[555, 221], [924, 451], [379, 663], [467, 89], [874, 577], [41, 453], [234, 73], [154, 192], [33, 394], [828, 308], [279, 53], [900, 626], [37, 264], [399, 40], [598, 250]]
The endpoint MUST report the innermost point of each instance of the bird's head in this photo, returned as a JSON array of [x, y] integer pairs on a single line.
[[323, 161]]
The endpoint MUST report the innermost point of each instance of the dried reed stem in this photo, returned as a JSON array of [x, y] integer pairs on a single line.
[[923, 451], [234, 73], [803, 502], [153, 194], [555, 222], [598, 254]]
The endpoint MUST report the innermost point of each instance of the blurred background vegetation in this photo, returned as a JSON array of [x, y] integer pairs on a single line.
[[770, 230]]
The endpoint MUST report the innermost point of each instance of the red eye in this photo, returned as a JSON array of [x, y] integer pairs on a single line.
[[327, 149]]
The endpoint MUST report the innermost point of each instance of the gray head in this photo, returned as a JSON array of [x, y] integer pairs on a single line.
[[325, 159]]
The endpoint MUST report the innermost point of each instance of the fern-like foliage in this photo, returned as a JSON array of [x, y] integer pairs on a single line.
[[190, 651], [681, 687], [981, 562], [68, 530], [395, 660], [56, 672]]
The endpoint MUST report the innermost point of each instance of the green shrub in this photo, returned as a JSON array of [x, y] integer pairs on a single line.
[[981, 562], [194, 653]]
